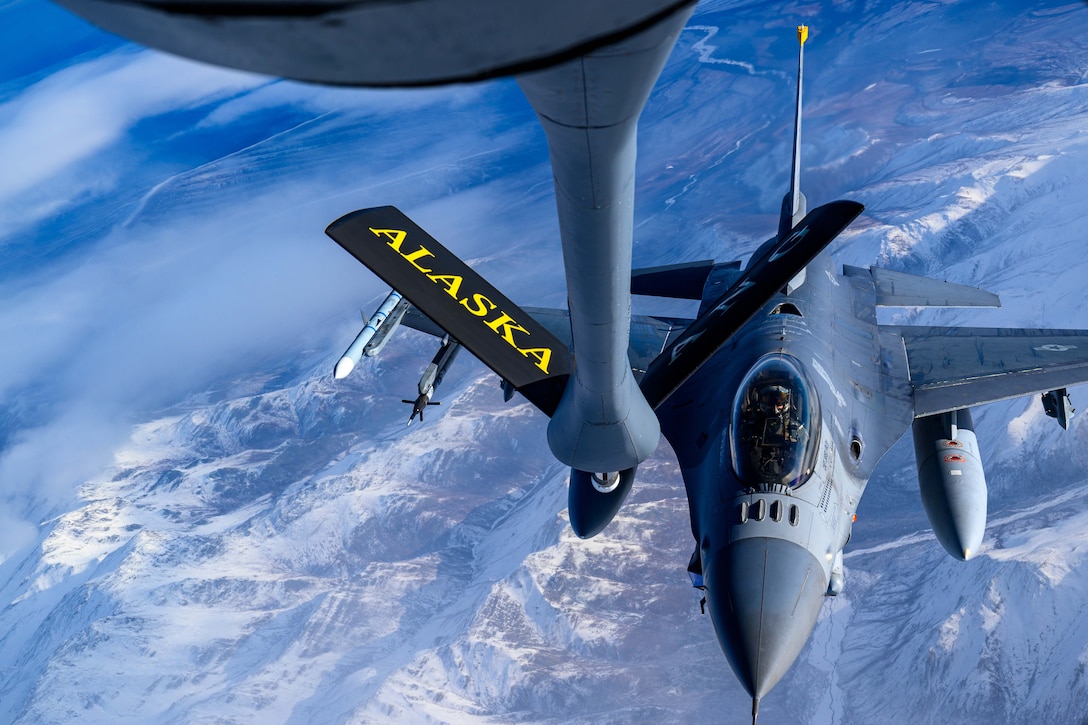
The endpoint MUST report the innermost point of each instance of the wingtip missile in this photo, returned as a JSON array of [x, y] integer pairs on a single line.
[[343, 368], [388, 327], [354, 353]]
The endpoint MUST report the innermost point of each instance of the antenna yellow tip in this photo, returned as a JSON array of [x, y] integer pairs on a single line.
[[802, 34]]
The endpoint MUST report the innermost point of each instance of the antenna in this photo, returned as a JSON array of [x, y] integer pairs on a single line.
[[794, 204]]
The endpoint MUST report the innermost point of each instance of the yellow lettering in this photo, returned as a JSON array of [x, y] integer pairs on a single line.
[[479, 300], [505, 325], [451, 282], [477, 305], [542, 355], [418, 254], [395, 236]]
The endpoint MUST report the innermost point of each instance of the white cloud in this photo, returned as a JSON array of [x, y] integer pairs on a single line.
[[63, 121], [220, 267]]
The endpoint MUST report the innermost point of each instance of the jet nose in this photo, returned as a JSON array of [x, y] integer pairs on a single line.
[[764, 596]]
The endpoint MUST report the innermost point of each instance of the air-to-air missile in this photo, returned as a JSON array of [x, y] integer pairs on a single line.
[[372, 338], [432, 377]]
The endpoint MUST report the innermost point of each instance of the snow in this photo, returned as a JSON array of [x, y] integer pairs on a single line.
[[241, 538]]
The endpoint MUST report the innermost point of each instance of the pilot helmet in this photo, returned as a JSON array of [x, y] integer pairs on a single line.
[[774, 400]]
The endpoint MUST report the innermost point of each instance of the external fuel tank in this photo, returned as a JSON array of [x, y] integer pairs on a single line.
[[951, 479]]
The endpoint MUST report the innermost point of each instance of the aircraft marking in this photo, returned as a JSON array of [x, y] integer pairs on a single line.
[[476, 304], [682, 344], [728, 301], [791, 241], [827, 379], [1055, 348]]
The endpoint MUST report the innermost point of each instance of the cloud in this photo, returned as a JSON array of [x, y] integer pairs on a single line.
[[79, 111], [55, 127], [154, 315], [325, 99], [212, 272]]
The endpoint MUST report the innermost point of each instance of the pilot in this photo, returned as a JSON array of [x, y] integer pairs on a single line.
[[774, 401], [770, 428], [775, 406]]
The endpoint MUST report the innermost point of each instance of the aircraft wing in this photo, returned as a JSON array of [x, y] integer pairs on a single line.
[[956, 367], [899, 289]]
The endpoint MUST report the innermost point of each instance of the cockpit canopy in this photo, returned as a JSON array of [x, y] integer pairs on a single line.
[[775, 430]]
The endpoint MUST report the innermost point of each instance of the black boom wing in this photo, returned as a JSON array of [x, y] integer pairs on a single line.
[[763, 278], [461, 302]]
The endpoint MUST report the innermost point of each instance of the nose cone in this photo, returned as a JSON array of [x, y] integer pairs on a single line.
[[965, 521], [957, 511], [764, 596], [966, 539]]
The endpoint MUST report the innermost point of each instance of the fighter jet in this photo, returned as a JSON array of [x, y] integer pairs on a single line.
[[779, 399]]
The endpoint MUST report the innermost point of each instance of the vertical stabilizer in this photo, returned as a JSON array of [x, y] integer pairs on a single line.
[[794, 205]]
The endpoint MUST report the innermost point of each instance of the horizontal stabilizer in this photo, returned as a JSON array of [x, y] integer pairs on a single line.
[[899, 289], [689, 281], [957, 367], [678, 281], [649, 335], [458, 300], [761, 280]]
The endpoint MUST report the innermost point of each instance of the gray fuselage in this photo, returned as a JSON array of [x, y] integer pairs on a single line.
[[767, 543]]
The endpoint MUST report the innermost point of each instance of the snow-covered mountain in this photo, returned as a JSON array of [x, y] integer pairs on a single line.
[[200, 525]]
